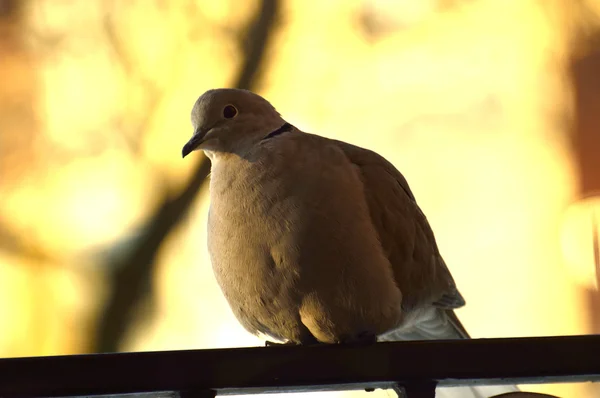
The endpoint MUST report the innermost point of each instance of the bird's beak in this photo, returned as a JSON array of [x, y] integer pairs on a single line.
[[193, 143]]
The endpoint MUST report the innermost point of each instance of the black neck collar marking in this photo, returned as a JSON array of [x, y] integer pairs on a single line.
[[283, 129]]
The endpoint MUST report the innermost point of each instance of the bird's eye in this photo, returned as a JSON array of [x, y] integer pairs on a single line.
[[229, 112]]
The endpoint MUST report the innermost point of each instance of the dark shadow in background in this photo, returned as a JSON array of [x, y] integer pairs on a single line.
[[584, 71], [585, 75], [130, 280]]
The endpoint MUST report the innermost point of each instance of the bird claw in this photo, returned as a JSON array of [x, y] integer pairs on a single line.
[[273, 344], [363, 338]]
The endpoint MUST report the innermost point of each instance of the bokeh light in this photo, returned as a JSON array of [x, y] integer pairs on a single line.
[[471, 99]]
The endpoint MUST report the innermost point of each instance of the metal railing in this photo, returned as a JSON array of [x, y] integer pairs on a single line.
[[416, 366]]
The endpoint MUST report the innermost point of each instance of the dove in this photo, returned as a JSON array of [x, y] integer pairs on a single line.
[[314, 240]]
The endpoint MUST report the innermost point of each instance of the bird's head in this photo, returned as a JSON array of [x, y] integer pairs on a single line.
[[230, 120]]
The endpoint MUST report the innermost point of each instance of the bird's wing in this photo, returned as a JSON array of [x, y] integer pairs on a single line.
[[405, 234], [421, 274]]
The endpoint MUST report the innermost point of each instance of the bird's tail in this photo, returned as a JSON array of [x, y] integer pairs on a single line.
[[443, 324]]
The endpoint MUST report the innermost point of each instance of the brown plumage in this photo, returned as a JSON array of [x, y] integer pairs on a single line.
[[312, 238], [316, 240]]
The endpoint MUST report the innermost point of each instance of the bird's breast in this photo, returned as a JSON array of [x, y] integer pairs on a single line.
[[252, 219], [290, 235]]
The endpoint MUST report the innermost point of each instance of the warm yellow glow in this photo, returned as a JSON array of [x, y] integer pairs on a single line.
[[580, 241], [82, 202], [13, 285], [462, 99]]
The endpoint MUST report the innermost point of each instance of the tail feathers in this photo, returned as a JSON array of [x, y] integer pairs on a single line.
[[441, 324], [486, 392], [474, 391], [435, 324]]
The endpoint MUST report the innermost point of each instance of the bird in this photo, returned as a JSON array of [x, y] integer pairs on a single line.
[[314, 240]]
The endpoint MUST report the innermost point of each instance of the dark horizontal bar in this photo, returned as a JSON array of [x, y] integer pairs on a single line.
[[310, 368]]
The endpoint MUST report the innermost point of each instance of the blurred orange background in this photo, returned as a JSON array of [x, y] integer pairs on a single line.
[[490, 108]]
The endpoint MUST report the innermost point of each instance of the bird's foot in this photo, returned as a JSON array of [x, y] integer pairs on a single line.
[[363, 338], [273, 344], [306, 343]]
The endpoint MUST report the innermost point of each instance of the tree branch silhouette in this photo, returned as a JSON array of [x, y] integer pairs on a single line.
[[131, 270]]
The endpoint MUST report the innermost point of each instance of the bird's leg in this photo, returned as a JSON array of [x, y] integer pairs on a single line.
[[306, 339], [363, 338], [273, 344]]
